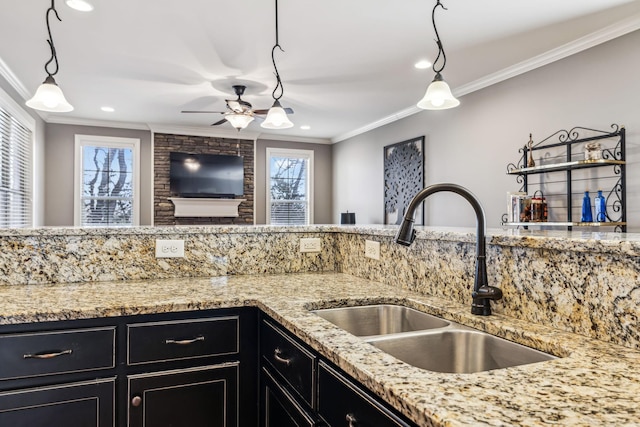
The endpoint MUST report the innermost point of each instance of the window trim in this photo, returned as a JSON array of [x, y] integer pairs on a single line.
[[105, 141], [293, 153], [15, 110]]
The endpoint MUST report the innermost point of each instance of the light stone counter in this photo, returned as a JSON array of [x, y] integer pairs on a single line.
[[594, 383]]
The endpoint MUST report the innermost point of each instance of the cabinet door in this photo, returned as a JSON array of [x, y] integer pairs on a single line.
[[198, 397], [83, 404], [279, 407], [343, 403]]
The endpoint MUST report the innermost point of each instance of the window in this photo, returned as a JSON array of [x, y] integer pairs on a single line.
[[16, 164], [289, 187], [106, 183]]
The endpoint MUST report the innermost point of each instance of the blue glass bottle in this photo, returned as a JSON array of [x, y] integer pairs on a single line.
[[586, 208], [601, 207]]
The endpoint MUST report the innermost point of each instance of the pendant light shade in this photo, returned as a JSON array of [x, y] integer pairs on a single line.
[[239, 121], [80, 5], [438, 96], [50, 98], [277, 118]]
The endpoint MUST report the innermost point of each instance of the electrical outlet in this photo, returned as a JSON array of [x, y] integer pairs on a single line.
[[169, 248], [310, 244], [372, 249]]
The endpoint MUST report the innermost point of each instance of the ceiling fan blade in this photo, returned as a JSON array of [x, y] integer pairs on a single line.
[[202, 111], [219, 122], [286, 110]]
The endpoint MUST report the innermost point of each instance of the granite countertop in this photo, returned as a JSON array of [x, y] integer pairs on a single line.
[[593, 383]]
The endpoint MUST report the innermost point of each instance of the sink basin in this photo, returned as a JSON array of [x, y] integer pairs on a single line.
[[380, 319], [458, 351]]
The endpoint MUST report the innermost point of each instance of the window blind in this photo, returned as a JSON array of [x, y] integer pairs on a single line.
[[15, 173]]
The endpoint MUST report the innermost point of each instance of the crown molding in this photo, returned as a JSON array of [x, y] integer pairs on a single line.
[[75, 121], [378, 123], [596, 38], [603, 35], [13, 80], [292, 138]]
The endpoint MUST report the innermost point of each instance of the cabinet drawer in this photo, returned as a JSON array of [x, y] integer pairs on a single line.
[[289, 359], [56, 352], [342, 403], [181, 339]]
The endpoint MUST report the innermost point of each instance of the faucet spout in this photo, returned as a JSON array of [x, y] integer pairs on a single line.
[[482, 293]]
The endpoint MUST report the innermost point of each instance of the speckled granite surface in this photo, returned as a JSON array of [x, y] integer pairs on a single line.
[[576, 281], [595, 383]]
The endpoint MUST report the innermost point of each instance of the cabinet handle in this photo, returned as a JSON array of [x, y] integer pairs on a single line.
[[184, 342], [136, 401], [46, 355], [351, 419], [278, 355]]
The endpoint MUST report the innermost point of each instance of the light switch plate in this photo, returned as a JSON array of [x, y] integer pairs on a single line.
[[310, 244], [372, 249], [169, 248]]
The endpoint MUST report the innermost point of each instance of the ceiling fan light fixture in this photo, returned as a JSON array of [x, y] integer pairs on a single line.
[[276, 118], [438, 96], [239, 121], [49, 97]]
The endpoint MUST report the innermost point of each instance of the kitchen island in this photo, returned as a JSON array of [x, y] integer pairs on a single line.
[[592, 382]]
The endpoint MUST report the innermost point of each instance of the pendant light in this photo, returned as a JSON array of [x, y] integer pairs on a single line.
[[438, 95], [277, 116], [49, 96]]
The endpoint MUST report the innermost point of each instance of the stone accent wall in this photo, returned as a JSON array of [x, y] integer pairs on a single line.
[[166, 143]]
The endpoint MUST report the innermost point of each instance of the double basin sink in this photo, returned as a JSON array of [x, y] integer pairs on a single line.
[[429, 342]]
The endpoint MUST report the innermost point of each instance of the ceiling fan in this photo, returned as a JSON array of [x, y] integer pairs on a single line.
[[239, 112]]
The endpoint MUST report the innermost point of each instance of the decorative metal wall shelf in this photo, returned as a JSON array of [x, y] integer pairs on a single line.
[[613, 156]]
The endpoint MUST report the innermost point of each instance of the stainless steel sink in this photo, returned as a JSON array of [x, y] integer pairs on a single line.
[[459, 351], [380, 319], [429, 342]]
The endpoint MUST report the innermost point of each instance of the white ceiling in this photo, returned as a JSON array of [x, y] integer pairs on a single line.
[[347, 65]]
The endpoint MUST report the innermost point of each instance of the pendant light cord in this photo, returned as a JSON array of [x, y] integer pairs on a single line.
[[54, 56], [273, 59], [438, 42]]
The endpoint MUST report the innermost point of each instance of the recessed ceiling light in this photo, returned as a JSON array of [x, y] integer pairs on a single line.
[[305, 127], [81, 5], [107, 109], [423, 64]]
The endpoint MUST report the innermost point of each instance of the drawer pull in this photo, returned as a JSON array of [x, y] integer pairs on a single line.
[[136, 401], [46, 355], [278, 355], [184, 342], [351, 419]]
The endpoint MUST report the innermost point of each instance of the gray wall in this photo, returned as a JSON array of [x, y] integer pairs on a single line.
[[471, 145], [322, 197], [59, 169]]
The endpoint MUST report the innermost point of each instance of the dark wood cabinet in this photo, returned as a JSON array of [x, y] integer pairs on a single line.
[[190, 369], [205, 396], [280, 407], [342, 402], [82, 404], [300, 388]]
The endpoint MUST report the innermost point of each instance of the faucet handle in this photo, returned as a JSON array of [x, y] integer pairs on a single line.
[[488, 292]]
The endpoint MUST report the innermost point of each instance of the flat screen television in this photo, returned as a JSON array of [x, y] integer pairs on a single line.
[[206, 175]]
